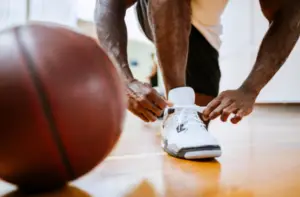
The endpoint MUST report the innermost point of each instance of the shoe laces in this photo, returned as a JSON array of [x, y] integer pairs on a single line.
[[188, 114]]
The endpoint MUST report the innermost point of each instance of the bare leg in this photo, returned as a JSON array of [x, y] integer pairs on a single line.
[[170, 24], [171, 27]]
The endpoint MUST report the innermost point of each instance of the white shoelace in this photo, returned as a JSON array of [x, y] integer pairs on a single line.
[[188, 114]]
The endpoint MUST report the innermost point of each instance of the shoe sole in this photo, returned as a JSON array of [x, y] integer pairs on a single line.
[[203, 152]]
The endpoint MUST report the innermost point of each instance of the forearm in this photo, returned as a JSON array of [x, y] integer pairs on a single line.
[[171, 30], [275, 48], [112, 33]]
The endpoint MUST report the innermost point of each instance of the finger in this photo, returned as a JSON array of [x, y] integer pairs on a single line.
[[236, 119], [157, 100], [141, 116], [210, 107], [151, 107], [150, 116], [134, 108], [239, 116], [227, 111], [131, 105], [217, 111]]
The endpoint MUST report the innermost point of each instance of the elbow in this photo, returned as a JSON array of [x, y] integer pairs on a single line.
[[277, 11], [287, 11]]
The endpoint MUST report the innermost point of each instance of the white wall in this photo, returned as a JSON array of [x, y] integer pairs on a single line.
[[12, 12], [57, 11], [235, 54], [140, 52], [133, 28]]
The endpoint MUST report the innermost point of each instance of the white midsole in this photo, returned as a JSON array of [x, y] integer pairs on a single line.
[[200, 154]]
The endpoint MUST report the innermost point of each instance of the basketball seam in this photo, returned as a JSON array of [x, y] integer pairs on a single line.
[[45, 104]]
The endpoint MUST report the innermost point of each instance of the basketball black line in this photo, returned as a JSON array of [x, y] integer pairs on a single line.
[[45, 104]]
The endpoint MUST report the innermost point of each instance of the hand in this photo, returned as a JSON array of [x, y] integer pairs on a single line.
[[239, 102], [144, 101]]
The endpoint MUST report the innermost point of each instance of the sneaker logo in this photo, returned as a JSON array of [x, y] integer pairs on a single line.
[[180, 128]]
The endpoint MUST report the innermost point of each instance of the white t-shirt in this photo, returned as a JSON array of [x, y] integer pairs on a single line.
[[206, 17]]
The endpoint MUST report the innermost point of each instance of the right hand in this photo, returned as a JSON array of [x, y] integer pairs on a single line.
[[144, 101]]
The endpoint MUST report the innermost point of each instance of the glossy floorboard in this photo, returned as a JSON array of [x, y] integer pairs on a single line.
[[261, 157]]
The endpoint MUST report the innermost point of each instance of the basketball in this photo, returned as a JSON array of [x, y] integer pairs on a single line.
[[62, 106]]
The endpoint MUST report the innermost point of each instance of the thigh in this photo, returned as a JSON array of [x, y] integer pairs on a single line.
[[203, 72], [142, 16]]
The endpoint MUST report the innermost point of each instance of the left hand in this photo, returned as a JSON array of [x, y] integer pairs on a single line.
[[239, 102]]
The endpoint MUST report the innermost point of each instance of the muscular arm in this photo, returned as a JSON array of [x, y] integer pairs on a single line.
[[112, 31], [143, 100], [276, 46]]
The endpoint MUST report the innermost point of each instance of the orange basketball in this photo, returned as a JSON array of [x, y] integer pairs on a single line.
[[61, 106]]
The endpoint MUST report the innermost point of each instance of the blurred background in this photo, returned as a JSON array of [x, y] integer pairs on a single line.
[[244, 27]]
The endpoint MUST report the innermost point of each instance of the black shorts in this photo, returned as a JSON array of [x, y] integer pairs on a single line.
[[203, 72]]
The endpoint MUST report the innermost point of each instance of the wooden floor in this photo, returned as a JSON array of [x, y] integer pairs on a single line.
[[261, 158]]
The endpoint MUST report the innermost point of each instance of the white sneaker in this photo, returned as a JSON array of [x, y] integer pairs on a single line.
[[184, 134]]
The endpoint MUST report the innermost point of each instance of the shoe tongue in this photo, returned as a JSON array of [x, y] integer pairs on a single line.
[[182, 96]]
